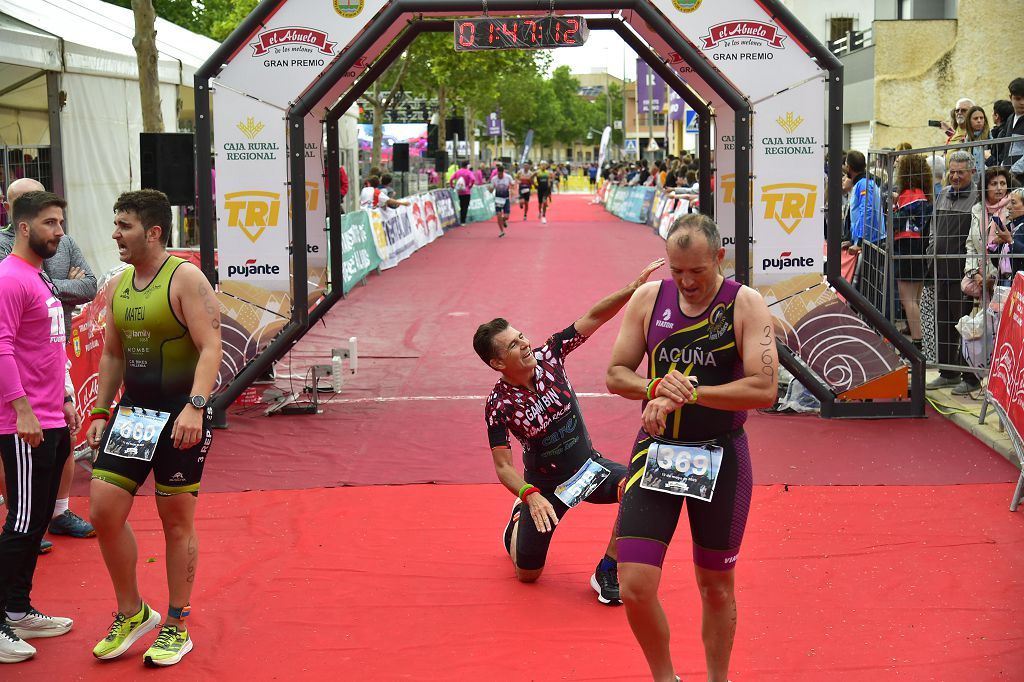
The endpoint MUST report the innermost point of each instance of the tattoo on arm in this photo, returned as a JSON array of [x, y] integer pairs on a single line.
[[766, 354], [211, 308]]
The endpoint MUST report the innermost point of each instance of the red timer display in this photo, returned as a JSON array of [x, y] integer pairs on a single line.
[[520, 33]]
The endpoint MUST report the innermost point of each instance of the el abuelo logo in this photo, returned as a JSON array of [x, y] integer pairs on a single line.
[[251, 268], [787, 261], [252, 211], [790, 145], [789, 203], [292, 46], [741, 34]]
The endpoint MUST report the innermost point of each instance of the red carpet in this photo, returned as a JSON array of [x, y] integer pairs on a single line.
[[415, 324], [411, 582], [893, 557]]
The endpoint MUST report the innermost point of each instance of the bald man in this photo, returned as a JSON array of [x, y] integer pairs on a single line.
[[75, 284]]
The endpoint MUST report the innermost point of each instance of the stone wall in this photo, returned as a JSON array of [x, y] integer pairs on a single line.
[[923, 67]]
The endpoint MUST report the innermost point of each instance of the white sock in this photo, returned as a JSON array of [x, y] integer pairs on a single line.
[[61, 506], [16, 615]]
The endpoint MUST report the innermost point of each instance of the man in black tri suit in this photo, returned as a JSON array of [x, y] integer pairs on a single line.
[[710, 349], [535, 401], [163, 341]]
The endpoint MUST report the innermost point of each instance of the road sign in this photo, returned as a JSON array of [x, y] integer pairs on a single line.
[[630, 146], [691, 121]]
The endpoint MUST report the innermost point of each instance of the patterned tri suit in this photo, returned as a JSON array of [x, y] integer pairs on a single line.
[[160, 365], [705, 347], [556, 445]]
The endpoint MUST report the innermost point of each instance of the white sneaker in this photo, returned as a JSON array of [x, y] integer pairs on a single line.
[[13, 649], [36, 624], [543, 220]]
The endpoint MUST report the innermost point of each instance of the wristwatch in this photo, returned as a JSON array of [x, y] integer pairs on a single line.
[[198, 401]]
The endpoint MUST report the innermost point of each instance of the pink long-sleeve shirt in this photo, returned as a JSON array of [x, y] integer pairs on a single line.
[[32, 353]]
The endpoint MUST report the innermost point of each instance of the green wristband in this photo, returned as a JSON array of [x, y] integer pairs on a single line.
[[525, 487]]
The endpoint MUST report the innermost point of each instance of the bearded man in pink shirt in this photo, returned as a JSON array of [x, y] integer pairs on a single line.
[[35, 413]]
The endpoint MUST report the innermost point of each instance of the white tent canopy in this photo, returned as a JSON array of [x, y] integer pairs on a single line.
[[81, 51]]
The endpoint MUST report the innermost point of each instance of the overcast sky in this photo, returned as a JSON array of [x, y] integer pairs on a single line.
[[603, 48]]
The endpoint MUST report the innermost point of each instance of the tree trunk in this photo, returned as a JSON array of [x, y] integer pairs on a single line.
[[147, 56], [467, 114], [378, 126], [442, 114]]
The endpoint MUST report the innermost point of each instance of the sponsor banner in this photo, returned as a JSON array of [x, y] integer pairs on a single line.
[[316, 209], [526, 146], [426, 226], [789, 192], [646, 202], [1006, 375], [676, 107], [358, 249], [650, 89], [725, 185], [380, 237], [298, 42], [399, 232], [658, 206], [481, 205], [444, 203], [419, 224], [740, 39], [495, 125], [606, 137], [251, 192], [431, 220], [631, 203]]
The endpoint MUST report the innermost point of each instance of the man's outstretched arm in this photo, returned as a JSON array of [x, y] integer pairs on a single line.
[[607, 307]]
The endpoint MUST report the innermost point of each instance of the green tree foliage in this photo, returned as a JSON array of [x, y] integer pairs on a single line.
[[212, 18], [468, 83]]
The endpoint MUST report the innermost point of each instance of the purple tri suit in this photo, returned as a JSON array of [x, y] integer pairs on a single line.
[[549, 426], [703, 346]]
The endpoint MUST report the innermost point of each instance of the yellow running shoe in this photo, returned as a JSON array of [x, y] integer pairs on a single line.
[[125, 631], [170, 646]]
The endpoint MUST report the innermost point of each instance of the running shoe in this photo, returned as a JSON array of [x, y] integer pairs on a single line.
[[170, 646], [45, 546], [507, 535], [35, 625], [70, 523], [543, 220], [13, 649], [606, 584], [125, 631]]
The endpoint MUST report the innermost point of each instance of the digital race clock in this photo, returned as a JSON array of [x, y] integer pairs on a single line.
[[520, 33]]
